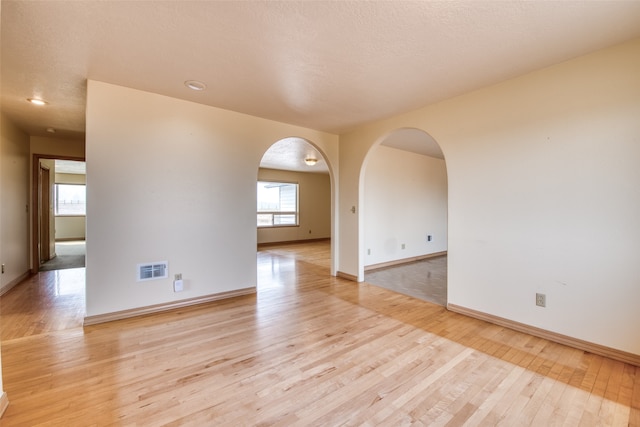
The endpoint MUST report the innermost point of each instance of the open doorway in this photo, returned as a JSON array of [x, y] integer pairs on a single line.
[[294, 205], [405, 216], [59, 213]]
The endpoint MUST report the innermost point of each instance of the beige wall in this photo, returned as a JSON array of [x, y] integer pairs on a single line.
[[70, 178], [542, 174], [170, 180], [14, 215], [70, 227], [57, 147], [405, 199], [314, 207]]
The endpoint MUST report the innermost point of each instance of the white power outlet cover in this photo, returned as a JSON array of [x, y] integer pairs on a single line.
[[178, 286]]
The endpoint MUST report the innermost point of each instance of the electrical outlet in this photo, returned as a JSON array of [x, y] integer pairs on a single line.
[[403, 246], [368, 251], [541, 300], [178, 284], [2, 268], [429, 237]]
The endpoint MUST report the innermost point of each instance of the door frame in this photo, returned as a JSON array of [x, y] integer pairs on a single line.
[[35, 203], [44, 214]]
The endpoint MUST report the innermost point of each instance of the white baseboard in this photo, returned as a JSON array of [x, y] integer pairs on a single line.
[[403, 261], [347, 276], [6, 288], [612, 353], [150, 309]]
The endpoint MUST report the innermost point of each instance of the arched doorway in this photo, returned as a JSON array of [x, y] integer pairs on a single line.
[[405, 215], [295, 198]]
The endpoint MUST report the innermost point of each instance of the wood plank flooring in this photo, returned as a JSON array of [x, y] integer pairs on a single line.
[[307, 349]]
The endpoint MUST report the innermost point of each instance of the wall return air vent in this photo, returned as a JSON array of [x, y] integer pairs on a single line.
[[153, 270]]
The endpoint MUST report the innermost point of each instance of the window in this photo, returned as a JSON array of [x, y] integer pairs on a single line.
[[277, 204], [70, 199]]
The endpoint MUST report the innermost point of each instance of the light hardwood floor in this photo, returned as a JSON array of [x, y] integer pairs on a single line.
[[307, 349]]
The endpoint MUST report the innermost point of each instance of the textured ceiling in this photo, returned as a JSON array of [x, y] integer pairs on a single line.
[[326, 65], [290, 153]]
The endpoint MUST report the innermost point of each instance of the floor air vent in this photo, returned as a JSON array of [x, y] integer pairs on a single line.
[[153, 270]]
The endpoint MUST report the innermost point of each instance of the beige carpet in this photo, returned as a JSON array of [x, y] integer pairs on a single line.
[[426, 279], [68, 255]]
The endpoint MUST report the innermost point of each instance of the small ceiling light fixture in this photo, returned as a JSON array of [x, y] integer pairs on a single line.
[[195, 85], [51, 130], [36, 101], [310, 161]]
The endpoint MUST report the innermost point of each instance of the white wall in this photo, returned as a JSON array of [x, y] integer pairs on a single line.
[[171, 180], [405, 199], [314, 204], [543, 195], [14, 216]]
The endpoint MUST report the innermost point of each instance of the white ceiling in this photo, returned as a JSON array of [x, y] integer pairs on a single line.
[[290, 153], [326, 65]]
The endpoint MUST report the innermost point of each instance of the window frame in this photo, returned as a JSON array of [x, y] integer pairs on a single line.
[[274, 213], [56, 198]]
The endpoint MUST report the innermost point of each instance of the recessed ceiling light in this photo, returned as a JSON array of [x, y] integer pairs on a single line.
[[195, 85], [36, 101], [51, 130]]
